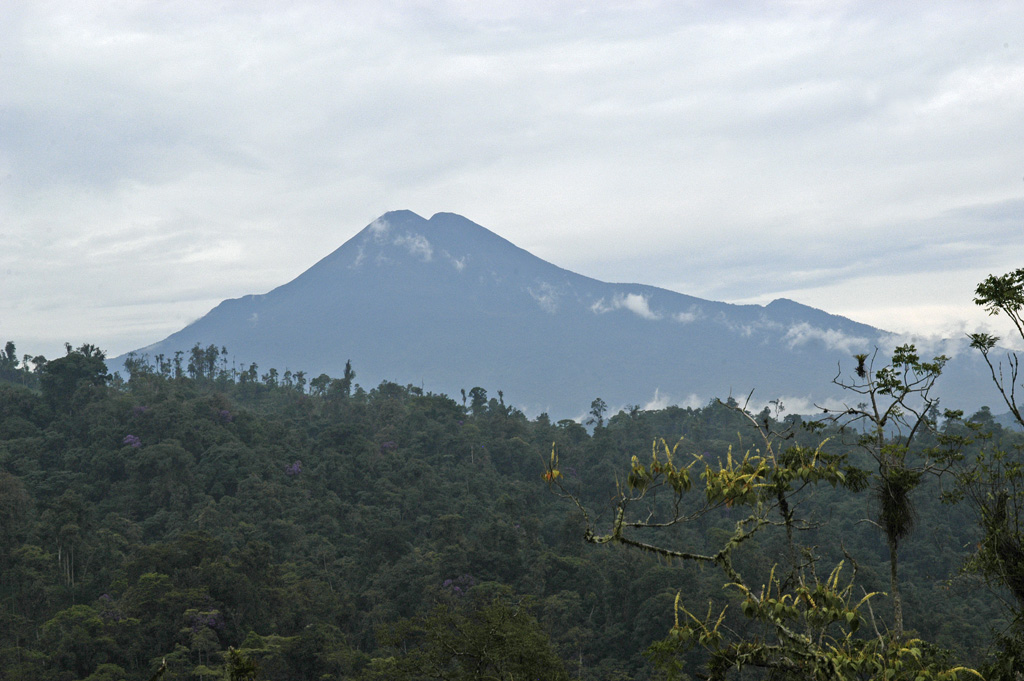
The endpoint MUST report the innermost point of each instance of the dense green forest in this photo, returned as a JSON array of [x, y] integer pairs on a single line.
[[193, 520]]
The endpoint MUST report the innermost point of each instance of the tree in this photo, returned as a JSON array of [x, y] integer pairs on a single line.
[[597, 409], [240, 667], [478, 401], [9, 362], [896, 406], [499, 639], [77, 639], [63, 377], [1002, 295], [202, 362], [318, 386], [993, 480], [803, 624], [346, 379]]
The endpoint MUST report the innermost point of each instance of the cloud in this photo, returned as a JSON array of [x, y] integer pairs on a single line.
[[687, 317], [793, 404], [658, 401], [417, 245], [931, 345], [360, 257], [546, 296], [833, 339], [458, 263], [379, 228], [634, 302], [754, 152], [662, 400]]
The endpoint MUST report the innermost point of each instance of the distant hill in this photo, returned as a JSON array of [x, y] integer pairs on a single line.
[[448, 305]]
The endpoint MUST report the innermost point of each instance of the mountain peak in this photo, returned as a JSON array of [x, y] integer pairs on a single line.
[[401, 214], [448, 304]]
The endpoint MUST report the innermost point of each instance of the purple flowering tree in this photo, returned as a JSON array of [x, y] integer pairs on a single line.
[[458, 586]]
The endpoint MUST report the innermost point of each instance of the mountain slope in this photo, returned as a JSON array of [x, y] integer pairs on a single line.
[[446, 304]]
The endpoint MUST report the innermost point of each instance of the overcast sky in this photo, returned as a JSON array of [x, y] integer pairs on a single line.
[[866, 158]]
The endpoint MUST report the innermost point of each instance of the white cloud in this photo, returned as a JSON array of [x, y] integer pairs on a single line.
[[637, 304], [417, 245], [694, 401], [658, 401], [929, 346], [546, 296], [634, 302], [832, 338], [360, 257], [687, 317], [792, 404], [662, 400], [458, 263], [379, 228]]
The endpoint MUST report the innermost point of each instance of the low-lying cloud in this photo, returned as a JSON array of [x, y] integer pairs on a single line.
[[662, 400], [546, 296], [417, 245], [634, 302], [458, 263], [833, 339]]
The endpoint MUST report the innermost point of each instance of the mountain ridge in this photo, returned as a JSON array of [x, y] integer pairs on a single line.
[[448, 304]]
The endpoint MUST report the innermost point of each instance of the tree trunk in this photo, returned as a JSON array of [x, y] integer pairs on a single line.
[[894, 587]]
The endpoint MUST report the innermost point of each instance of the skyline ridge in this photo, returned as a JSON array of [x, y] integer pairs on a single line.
[[448, 304]]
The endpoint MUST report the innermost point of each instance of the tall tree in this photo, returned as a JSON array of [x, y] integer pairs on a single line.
[[478, 401], [62, 377], [1002, 295], [597, 409], [993, 481], [8, 362], [896, 405]]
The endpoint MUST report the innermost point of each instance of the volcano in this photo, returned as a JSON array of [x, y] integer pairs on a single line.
[[447, 305]]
